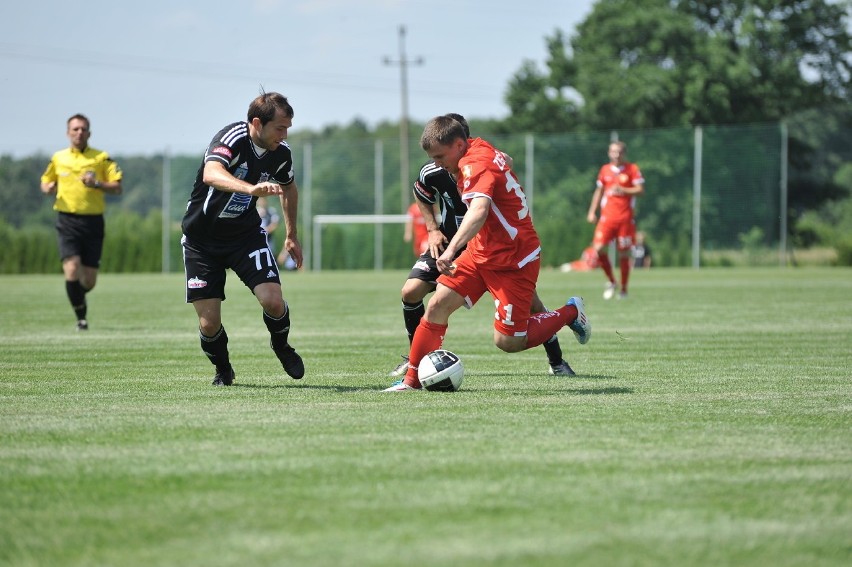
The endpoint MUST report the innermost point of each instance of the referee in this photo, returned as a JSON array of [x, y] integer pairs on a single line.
[[79, 176]]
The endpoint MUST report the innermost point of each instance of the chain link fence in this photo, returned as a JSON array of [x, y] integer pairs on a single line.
[[713, 194]]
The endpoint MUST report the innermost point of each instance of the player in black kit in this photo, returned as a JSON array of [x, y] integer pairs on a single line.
[[221, 229], [436, 185]]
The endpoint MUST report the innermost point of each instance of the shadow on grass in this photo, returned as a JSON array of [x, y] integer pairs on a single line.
[[296, 386], [591, 377], [573, 391], [351, 389], [610, 391], [544, 376], [600, 391]]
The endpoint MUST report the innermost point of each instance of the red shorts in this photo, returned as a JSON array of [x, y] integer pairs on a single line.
[[622, 231], [512, 291]]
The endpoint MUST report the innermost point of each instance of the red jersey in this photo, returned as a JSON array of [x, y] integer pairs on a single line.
[[420, 234], [508, 239], [618, 207]]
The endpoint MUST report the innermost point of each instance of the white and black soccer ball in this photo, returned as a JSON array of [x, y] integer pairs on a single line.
[[441, 371]]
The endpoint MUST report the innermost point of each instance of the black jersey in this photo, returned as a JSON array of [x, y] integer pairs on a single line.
[[211, 213], [435, 184]]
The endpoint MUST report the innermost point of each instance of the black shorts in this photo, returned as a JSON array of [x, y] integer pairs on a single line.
[[206, 263], [425, 269], [81, 235]]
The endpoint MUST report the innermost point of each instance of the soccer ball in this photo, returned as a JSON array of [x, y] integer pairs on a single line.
[[441, 371]]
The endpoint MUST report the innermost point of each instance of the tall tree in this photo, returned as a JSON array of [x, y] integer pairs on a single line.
[[656, 63], [541, 103]]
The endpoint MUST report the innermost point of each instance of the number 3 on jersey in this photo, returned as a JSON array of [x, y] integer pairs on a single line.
[[513, 185]]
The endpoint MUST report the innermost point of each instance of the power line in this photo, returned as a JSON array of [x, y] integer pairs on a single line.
[[185, 68]]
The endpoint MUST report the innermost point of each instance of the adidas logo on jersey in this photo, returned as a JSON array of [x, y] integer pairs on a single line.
[[271, 274]]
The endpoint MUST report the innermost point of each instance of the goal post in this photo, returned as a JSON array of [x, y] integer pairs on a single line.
[[319, 221]]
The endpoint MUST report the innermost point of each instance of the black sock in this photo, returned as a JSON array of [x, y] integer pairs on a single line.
[[412, 313], [216, 348], [554, 351], [279, 329], [77, 296]]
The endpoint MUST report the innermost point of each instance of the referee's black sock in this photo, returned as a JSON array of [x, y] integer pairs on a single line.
[[216, 348], [279, 329], [77, 296], [554, 351], [412, 313]]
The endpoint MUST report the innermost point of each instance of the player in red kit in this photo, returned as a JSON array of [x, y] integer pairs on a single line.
[[502, 255], [619, 183]]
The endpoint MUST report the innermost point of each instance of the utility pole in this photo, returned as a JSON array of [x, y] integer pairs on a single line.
[[403, 63]]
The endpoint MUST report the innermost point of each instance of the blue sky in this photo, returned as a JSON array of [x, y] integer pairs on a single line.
[[162, 74]]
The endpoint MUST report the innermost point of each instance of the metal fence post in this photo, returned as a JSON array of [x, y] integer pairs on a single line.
[[307, 178], [696, 198], [529, 182], [782, 246], [167, 197], [378, 191]]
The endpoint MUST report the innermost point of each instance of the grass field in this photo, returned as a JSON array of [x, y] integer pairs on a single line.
[[710, 424]]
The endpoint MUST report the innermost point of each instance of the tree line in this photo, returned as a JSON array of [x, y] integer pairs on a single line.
[[631, 66]]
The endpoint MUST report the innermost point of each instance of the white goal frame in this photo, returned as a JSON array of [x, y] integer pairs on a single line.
[[319, 221]]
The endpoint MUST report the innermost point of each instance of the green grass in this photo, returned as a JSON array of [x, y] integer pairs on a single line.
[[710, 425]]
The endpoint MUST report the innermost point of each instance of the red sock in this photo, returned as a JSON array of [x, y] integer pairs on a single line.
[[606, 266], [625, 272], [428, 337], [542, 326]]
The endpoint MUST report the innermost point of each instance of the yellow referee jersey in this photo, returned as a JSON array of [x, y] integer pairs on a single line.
[[67, 167]]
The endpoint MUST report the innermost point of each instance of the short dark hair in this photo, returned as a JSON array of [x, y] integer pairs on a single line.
[[461, 120], [79, 116], [441, 131], [266, 105]]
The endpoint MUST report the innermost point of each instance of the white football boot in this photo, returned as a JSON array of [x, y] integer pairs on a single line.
[[401, 386], [581, 326]]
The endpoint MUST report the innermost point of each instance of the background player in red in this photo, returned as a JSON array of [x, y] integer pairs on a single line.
[[619, 183], [502, 255], [416, 231]]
